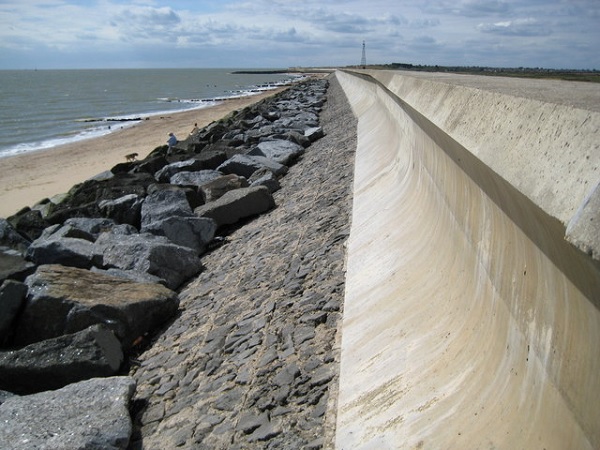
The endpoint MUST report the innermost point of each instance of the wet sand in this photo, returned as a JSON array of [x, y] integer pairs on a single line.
[[28, 178]]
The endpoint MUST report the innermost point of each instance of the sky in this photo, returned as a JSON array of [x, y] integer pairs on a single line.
[[73, 34]]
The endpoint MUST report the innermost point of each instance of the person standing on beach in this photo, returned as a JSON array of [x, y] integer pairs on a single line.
[[194, 130], [171, 142]]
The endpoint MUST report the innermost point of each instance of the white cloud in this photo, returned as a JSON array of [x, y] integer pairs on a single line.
[[517, 27], [151, 33]]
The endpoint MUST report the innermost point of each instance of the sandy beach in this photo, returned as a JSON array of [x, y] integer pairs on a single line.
[[28, 178]]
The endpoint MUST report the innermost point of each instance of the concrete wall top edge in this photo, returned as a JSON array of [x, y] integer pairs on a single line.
[[542, 136]]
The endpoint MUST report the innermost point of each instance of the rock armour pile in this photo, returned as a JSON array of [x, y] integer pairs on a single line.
[[251, 361], [249, 358]]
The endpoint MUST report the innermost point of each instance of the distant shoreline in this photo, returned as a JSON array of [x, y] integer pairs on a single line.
[[27, 178]]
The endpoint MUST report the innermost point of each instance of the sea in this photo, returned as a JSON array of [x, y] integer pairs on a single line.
[[41, 109]]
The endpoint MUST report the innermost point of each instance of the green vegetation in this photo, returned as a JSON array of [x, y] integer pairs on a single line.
[[592, 76]]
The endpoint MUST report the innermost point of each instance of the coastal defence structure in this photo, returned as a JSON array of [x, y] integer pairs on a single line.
[[472, 300]]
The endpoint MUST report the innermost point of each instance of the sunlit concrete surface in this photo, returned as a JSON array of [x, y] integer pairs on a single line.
[[471, 315]]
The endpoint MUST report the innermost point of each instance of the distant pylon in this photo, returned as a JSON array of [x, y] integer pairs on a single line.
[[363, 60]]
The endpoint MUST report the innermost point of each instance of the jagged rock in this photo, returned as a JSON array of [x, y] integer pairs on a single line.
[[83, 199], [28, 223], [314, 133], [54, 363], [151, 165], [12, 295], [273, 166], [292, 136], [125, 210], [192, 232], [85, 228], [245, 165], [215, 189], [195, 178], [189, 165], [283, 152], [211, 159], [73, 252], [91, 414], [192, 193], [264, 177], [237, 204], [65, 231], [10, 238], [123, 167], [163, 204], [64, 300], [151, 254], [13, 265]]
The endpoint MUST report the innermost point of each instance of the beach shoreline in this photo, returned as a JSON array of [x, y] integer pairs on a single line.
[[28, 178]]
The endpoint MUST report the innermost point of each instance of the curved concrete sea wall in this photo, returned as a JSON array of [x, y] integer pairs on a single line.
[[471, 315]]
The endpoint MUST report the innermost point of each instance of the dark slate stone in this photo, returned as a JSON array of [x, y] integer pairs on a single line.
[[211, 159], [83, 199], [250, 422], [191, 232], [192, 193], [13, 265], [281, 151], [73, 252], [12, 296], [64, 300], [241, 165], [29, 223], [163, 204], [126, 209], [91, 414], [54, 363], [189, 165], [238, 204], [195, 178], [215, 189], [314, 133], [10, 238], [152, 254], [264, 177], [151, 165]]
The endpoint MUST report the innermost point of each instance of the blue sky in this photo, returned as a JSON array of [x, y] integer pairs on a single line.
[[281, 33]]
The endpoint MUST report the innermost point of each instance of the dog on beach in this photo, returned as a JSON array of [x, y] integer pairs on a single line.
[[131, 157]]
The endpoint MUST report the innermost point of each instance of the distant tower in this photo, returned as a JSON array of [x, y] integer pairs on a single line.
[[363, 60]]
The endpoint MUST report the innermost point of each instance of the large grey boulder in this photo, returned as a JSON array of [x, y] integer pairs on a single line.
[[91, 414], [63, 300], [246, 165], [211, 159], [124, 210], [216, 189], [192, 232], [12, 295], [241, 165], [54, 363], [237, 204], [265, 177], [13, 265], [163, 204], [281, 151], [189, 165], [151, 254], [10, 238], [68, 251], [195, 178]]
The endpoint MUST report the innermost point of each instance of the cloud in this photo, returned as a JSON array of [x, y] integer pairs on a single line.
[[271, 33], [517, 27]]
